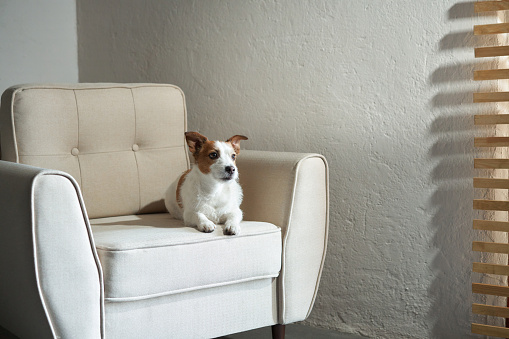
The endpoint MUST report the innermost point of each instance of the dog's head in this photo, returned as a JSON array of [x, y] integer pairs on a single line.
[[217, 158]]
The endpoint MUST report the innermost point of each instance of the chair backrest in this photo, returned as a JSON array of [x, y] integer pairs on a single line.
[[123, 143]]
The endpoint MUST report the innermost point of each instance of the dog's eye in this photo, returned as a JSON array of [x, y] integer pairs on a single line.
[[233, 156], [213, 155]]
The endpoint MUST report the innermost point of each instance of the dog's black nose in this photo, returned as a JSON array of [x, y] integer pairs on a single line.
[[229, 169]]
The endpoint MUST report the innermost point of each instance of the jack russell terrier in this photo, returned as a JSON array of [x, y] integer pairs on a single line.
[[208, 193]]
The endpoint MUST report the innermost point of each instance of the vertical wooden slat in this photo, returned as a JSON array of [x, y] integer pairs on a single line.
[[491, 119], [480, 267], [491, 74], [490, 225], [491, 183], [491, 142], [491, 205], [491, 97], [495, 311], [491, 29], [491, 247], [491, 6], [491, 163], [501, 291], [493, 331], [486, 52]]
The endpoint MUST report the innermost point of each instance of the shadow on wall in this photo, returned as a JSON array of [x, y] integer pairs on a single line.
[[453, 152]]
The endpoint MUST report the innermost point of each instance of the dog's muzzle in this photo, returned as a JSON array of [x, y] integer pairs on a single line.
[[230, 172]]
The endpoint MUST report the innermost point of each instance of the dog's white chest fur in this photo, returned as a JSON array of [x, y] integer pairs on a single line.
[[209, 193], [199, 193]]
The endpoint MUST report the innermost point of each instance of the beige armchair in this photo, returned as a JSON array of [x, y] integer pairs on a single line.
[[87, 249]]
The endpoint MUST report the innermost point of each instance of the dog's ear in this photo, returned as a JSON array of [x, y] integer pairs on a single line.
[[235, 141], [195, 141]]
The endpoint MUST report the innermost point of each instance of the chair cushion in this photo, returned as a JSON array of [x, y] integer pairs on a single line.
[[152, 255]]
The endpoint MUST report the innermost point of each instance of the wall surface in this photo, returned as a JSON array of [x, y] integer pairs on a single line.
[[381, 88], [38, 42]]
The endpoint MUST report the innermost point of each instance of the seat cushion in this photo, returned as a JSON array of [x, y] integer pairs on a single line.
[[152, 255]]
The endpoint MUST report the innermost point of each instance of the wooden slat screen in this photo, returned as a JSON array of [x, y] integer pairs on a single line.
[[491, 183]]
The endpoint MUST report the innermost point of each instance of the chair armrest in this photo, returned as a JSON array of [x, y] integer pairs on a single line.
[[51, 284], [290, 190]]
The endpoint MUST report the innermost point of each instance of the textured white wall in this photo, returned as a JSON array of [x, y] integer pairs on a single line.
[[38, 42], [381, 88]]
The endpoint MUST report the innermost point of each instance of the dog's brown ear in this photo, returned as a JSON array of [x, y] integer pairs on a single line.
[[235, 141], [195, 141]]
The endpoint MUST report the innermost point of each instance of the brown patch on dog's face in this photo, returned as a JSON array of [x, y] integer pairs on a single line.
[[201, 148], [207, 156]]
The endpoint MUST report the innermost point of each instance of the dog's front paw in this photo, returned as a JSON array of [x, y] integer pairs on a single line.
[[232, 229], [207, 227]]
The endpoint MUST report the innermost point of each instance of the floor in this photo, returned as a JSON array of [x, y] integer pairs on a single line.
[[294, 331]]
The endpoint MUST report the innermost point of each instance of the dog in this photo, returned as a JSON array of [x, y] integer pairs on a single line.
[[209, 193]]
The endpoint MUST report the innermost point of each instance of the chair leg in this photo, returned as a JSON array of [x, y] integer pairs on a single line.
[[278, 331]]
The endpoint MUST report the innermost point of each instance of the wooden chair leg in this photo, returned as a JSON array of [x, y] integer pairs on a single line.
[[278, 331]]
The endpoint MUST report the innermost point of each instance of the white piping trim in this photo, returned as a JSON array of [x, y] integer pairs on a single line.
[[190, 289], [36, 262], [90, 86]]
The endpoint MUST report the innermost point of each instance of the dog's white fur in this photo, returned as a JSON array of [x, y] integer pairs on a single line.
[[208, 194]]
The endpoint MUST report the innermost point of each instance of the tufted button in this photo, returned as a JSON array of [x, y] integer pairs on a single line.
[[136, 147], [75, 151]]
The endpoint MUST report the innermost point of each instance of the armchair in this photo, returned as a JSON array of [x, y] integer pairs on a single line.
[[87, 249]]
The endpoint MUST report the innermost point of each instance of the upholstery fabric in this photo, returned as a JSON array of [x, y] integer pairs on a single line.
[[151, 255], [51, 282], [123, 143], [203, 313], [290, 190]]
